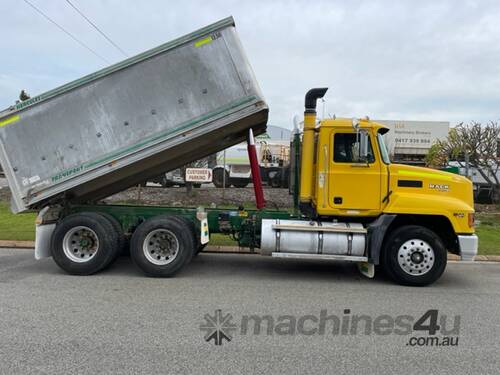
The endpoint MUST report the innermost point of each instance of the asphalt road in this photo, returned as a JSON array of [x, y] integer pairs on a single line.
[[121, 322]]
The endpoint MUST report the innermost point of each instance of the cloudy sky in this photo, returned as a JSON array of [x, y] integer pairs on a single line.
[[413, 60]]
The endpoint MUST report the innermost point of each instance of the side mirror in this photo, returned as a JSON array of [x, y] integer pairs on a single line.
[[363, 145]]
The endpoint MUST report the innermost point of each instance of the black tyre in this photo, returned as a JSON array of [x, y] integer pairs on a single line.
[[195, 236], [218, 177], [122, 240], [197, 245], [273, 178], [239, 183], [84, 243], [414, 255], [275, 182], [166, 183], [161, 246]]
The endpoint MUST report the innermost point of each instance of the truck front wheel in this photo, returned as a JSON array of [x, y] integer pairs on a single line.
[[414, 255], [161, 246], [85, 243]]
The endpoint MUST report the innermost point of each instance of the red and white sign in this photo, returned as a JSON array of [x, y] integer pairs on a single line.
[[198, 175]]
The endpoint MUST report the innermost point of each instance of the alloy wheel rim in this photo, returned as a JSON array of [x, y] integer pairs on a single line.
[[161, 247], [80, 244], [416, 257]]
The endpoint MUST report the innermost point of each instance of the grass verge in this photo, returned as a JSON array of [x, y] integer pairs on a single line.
[[488, 231], [219, 239], [20, 227]]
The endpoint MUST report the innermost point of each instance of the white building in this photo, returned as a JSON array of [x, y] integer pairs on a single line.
[[409, 141]]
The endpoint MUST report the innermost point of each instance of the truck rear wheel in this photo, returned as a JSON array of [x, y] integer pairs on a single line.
[[122, 240], [414, 255], [195, 241], [85, 243], [161, 246]]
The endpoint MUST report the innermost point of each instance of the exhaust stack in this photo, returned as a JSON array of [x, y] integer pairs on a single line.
[[306, 163]]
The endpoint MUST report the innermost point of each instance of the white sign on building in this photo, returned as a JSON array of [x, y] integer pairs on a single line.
[[413, 137]]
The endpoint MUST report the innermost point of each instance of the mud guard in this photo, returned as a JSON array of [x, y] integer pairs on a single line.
[[43, 239], [367, 269], [376, 234]]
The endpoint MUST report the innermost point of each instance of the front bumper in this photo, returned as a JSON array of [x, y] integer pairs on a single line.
[[468, 246]]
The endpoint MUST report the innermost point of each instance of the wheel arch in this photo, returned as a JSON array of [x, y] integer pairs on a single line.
[[380, 229]]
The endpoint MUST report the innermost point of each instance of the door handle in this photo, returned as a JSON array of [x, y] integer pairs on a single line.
[[360, 165]]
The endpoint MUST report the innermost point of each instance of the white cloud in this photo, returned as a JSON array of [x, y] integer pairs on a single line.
[[433, 60]]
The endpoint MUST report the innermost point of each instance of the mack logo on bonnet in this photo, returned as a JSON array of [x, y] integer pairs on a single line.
[[440, 187]]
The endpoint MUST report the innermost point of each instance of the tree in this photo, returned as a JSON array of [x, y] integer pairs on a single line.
[[475, 142]]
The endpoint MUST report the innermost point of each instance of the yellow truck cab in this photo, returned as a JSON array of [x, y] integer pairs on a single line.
[[412, 215]]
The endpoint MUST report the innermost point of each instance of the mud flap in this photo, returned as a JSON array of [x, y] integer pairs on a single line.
[[366, 269], [42, 240], [204, 235]]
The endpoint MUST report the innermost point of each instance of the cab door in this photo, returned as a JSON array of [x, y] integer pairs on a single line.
[[353, 184]]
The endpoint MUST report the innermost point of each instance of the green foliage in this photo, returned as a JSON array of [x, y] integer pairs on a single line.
[[474, 142], [435, 158]]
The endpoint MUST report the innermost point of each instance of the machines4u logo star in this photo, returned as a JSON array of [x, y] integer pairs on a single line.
[[218, 327]]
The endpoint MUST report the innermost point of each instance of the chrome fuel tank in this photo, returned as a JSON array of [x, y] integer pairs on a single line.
[[312, 237]]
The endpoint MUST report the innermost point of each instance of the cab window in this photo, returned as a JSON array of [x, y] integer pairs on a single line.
[[345, 149]]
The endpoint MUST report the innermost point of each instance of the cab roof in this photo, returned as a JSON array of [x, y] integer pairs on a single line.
[[347, 122]]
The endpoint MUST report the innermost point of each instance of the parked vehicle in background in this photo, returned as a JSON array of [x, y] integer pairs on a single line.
[[171, 179], [483, 192], [233, 165]]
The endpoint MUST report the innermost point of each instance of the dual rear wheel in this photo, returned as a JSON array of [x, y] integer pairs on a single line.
[[162, 245], [85, 243]]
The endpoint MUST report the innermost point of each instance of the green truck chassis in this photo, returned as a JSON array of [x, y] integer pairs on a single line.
[[241, 224]]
